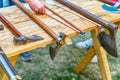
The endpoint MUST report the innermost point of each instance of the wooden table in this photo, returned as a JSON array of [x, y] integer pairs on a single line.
[[27, 27]]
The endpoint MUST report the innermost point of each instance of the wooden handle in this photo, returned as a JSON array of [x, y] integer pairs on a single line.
[[76, 27], [110, 2], [87, 14], [63, 23], [10, 26], [36, 20]]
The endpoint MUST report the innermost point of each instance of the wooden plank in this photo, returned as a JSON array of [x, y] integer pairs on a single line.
[[97, 9]]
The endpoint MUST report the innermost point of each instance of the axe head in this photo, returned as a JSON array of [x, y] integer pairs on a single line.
[[53, 52], [25, 39], [34, 38], [110, 8], [60, 41], [108, 42]]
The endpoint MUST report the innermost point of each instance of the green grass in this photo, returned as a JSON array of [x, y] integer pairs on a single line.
[[42, 68]]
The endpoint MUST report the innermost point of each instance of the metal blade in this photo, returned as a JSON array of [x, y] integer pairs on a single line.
[[54, 51], [108, 43], [34, 38], [113, 8], [25, 39], [51, 51], [60, 41]]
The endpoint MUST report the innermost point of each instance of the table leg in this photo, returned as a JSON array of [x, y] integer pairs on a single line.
[[102, 59], [85, 61], [2, 74]]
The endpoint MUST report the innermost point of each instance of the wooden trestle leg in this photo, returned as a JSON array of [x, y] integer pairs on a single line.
[[101, 55]]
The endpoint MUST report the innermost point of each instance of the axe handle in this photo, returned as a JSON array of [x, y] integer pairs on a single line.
[[36, 20], [10, 26], [110, 2], [87, 14], [76, 27]]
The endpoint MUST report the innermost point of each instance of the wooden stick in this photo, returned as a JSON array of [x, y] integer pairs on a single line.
[[76, 27], [110, 2], [10, 26], [36, 20], [88, 15], [63, 23]]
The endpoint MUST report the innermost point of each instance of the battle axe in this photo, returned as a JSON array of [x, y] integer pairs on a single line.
[[18, 37], [108, 41], [60, 40]]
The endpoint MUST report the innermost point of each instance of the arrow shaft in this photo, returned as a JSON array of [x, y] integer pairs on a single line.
[[10, 26]]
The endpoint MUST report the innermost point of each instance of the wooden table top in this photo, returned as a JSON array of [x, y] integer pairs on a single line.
[[27, 27]]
